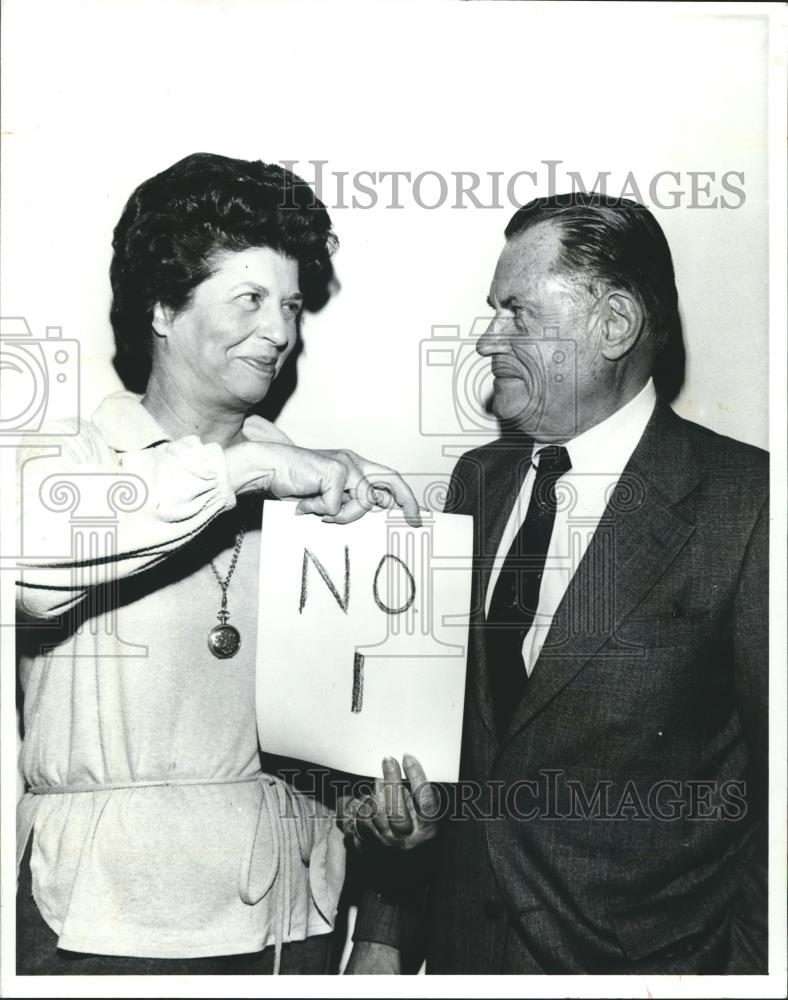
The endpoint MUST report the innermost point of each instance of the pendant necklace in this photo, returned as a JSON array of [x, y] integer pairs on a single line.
[[224, 640]]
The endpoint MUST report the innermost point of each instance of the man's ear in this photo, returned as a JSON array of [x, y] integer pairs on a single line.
[[622, 324], [162, 320]]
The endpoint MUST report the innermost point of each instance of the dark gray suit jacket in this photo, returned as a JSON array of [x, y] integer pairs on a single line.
[[621, 822]]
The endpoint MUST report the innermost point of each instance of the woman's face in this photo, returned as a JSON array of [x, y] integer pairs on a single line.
[[228, 344]]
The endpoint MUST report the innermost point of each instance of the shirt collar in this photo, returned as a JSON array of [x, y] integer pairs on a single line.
[[608, 446], [125, 424]]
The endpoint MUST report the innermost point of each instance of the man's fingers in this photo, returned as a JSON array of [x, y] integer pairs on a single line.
[[366, 808], [391, 769], [399, 814], [399, 817], [391, 814], [414, 772], [366, 823], [421, 789], [381, 819], [345, 809]]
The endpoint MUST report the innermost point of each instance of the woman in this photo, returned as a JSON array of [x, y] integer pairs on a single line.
[[155, 842]]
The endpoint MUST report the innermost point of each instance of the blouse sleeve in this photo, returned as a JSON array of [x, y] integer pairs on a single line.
[[89, 515]]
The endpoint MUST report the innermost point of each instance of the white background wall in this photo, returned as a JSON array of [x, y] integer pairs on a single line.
[[101, 95]]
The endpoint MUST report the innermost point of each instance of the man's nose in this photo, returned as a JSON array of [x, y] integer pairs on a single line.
[[495, 339]]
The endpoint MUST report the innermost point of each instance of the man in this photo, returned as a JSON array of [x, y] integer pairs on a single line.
[[611, 812]]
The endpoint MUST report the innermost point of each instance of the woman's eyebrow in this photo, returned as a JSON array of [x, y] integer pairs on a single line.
[[249, 284], [263, 290]]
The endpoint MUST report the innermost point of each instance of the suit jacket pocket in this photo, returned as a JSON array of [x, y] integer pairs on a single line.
[[653, 633], [672, 927]]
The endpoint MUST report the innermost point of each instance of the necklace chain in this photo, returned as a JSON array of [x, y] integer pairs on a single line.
[[225, 583]]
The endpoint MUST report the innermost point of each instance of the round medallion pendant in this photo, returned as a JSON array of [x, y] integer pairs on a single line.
[[224, 641]]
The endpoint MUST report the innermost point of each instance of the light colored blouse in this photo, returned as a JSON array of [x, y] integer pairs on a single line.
[[155, 833]]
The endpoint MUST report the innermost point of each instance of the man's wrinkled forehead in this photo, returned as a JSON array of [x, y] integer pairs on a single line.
[[528, 261]]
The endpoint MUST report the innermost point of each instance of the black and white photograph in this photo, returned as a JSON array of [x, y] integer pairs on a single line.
[[393, 518]]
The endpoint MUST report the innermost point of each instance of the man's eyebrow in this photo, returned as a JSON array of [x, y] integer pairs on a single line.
[[513, 300]]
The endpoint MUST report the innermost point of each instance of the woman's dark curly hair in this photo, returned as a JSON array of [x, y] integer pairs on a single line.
[[175, 223]]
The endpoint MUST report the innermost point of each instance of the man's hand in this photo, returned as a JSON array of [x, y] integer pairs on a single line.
[[368, 958], [396, 815]]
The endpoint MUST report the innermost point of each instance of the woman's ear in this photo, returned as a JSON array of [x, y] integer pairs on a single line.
[[162, 320], [623, 324]]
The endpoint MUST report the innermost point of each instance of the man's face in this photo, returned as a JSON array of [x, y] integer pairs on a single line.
[[544, 342]]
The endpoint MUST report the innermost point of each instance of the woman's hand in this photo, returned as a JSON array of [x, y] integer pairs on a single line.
[[396, 815], [287, 472], [339, 485], [368, 485]]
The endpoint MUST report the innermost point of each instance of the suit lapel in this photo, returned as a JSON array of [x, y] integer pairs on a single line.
[[639, 536]]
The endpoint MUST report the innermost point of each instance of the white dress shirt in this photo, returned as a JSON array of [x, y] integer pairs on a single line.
[[599, 456]]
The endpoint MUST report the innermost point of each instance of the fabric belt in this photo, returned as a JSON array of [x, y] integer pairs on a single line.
[[72, 789], [278, 801]]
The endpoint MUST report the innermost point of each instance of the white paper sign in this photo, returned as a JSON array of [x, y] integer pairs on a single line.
[[362, 639]]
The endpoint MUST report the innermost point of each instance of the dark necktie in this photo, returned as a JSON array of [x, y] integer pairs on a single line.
[[516, 595]]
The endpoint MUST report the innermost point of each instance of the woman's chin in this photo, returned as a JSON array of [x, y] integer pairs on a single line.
[[250, 400], [251, 392]]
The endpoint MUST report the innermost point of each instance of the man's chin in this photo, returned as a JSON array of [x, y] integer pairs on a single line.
[[531, 425], [514, 415]]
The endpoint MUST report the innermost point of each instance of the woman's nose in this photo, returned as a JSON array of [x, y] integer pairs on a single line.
[[275, 326]]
